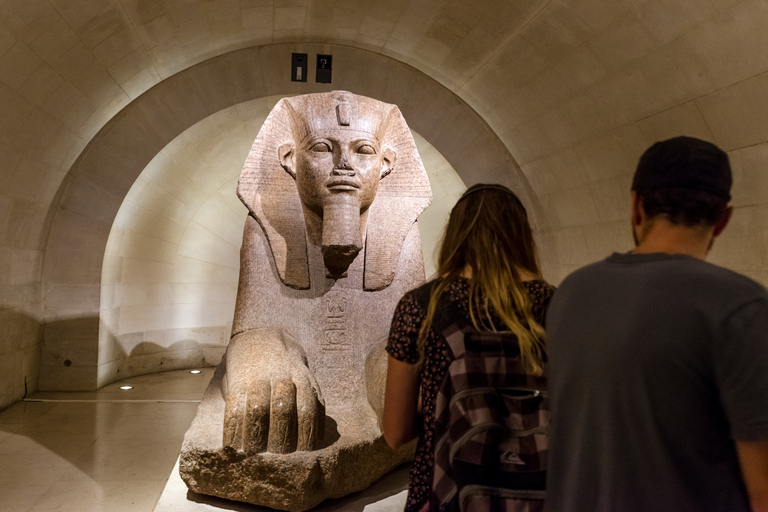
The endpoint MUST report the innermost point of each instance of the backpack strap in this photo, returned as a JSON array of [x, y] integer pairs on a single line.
[[449, 321]]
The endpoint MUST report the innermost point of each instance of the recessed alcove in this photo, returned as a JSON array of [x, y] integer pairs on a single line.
[[170, 271], [88, 202]]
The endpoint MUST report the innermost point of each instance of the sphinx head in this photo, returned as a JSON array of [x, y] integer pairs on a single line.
[[337, 159], [320, 160]]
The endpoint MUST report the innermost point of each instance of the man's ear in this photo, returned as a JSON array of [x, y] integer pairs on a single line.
[[388, 164], [285, 154], [722, 222]]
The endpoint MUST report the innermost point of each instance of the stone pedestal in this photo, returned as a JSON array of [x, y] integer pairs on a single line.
[[354, 458]]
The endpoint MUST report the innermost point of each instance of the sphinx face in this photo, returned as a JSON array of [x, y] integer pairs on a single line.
[[336, 147], [339, 166]]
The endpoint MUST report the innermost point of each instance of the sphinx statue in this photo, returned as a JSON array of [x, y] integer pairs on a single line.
[[333, 186]]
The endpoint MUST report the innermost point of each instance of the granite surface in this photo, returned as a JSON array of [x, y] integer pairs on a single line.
[[333, 185]]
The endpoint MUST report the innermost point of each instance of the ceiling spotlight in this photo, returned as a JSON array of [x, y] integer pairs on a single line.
[[126, 387], [194, 371]]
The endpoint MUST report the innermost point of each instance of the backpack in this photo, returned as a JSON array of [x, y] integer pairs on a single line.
[[491, 421]]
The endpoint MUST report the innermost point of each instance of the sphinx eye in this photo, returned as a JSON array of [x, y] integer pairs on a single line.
[[366, 149], [321, 147]]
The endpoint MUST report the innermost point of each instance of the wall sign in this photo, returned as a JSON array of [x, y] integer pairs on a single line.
[[323, 70], [298, 67]]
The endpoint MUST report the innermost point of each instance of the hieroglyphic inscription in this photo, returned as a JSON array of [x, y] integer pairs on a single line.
[[336, 321]]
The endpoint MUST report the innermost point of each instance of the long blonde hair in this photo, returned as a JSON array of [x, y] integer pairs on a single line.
[[488, 231]]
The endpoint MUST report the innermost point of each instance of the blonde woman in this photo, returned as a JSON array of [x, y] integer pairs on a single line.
[[488, 271]]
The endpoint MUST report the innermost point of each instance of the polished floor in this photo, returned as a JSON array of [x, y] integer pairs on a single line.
[[115, 451], [112, 450]]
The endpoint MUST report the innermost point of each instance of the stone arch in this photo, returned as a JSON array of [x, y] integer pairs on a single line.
[[90, 197]]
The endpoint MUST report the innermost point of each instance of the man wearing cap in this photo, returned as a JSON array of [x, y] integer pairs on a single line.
[[658, 361]]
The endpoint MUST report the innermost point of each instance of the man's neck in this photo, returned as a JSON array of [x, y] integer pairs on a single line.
[[660, 235]]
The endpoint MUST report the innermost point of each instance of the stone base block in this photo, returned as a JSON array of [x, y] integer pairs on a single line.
[[355, 456]]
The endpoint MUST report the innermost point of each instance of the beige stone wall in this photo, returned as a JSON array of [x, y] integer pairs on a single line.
[[574, 89], [169, 278], [585, 87]]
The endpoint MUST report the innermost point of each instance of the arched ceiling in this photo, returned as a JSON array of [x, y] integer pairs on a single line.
[[575, 90]]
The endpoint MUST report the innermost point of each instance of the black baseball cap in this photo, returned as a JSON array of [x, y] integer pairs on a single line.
[[685, 163]]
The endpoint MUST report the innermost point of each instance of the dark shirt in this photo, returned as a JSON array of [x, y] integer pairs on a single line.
[[657, 362]]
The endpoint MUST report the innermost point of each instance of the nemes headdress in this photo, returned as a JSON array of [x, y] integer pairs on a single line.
[[271, 195], [339, 110]]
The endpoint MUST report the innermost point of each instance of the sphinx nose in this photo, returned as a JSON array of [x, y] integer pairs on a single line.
[[343, 167]]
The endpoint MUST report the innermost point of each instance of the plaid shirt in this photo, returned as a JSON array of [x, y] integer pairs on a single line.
[[492, 418], [408, 317]]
